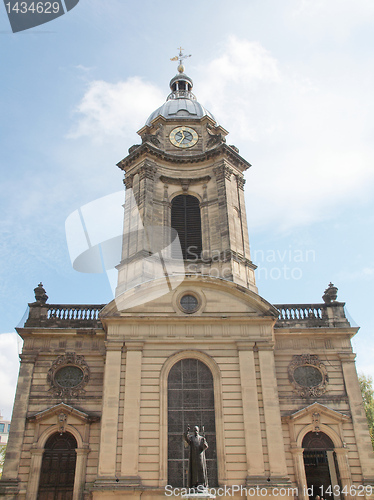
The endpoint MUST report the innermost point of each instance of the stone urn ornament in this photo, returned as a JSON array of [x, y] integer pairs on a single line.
[[40, 296], [330, 294]]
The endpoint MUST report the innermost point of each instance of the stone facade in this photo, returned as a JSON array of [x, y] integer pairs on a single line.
[[283, 375]]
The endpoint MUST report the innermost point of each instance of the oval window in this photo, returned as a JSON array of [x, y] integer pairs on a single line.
[[69, 376], [307, 376]]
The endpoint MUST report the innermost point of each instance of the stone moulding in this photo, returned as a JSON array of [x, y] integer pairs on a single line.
[[73, 360], [313, 361], [180, 180], [148, 148]]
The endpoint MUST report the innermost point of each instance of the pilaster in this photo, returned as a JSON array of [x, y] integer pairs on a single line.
[[80, 473], [360, 425], [274, 434], [130, 447], [298, 461], [17, 429], [34, 476], [344, 471], [252, 425], [243, 217], [109, 420], [223, 176], [333, 475]]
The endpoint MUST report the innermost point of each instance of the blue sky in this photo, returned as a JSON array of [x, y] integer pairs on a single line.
[[292, 81]]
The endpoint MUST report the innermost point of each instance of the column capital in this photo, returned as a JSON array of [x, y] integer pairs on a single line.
[[244, 345], [28, 357], [296, 450], [347, 357], [268, 346], [37, 451], [341, 451], [114, 345], [128, 181], [147, 171], [240, 181], [82, 451], [223, 171], [130, 345]]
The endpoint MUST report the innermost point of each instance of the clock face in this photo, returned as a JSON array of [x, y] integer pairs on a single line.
[[183, 137]]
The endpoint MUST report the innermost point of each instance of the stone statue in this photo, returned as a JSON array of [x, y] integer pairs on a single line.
[[197, 471]]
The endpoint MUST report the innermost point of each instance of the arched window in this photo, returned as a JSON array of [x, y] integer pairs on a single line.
[[190, 402], [320, 463], [186, 220], [58, 468]]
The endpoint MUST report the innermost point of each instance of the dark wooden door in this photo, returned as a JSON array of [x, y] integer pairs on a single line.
[[58, 468]]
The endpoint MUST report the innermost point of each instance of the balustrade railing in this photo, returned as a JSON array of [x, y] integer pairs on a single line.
[[73, 312], [65, 315], [177, 94], [87, 315], [311, 314]]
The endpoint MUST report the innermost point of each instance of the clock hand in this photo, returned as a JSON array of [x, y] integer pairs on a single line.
[[182, 137]]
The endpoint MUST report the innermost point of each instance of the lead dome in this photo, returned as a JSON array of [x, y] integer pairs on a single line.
[[181, 102]]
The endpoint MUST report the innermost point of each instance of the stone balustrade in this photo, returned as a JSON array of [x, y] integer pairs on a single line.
[[311, 315], [64, 315], [87, 315]]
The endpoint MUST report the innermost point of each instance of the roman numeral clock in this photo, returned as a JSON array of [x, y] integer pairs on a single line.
[[183, 137]]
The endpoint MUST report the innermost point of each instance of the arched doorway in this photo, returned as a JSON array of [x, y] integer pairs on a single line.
[[58, 468], [190, 402], [320, 465]]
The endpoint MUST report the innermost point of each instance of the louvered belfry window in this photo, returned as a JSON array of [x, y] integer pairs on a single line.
[[186, 220]]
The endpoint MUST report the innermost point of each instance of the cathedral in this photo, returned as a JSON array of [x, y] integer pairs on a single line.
[[106, 391]]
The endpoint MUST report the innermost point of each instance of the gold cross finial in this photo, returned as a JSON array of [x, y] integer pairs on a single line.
[[180, 58]]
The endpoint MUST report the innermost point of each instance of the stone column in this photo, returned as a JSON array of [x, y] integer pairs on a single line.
[[223, 178], [252, 426], [333, 476], [205, 226], [109, 420], [298, 461], [243, 217], [274, 434], [130, 440], [344, 472], [34, 476], [360, 425], [17, 428], [80, 473]]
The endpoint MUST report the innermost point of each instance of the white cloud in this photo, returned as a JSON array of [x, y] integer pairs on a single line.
[[110, 110], [304, 129], [306, 134], [9, 365]]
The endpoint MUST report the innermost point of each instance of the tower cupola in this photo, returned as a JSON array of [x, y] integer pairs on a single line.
[[181, 102], [181, 86]]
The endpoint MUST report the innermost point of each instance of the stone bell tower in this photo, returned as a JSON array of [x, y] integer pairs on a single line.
[[106, 391], [185, 177]]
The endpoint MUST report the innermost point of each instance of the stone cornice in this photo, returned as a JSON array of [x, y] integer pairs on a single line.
[[149, 149], [181, 180]]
